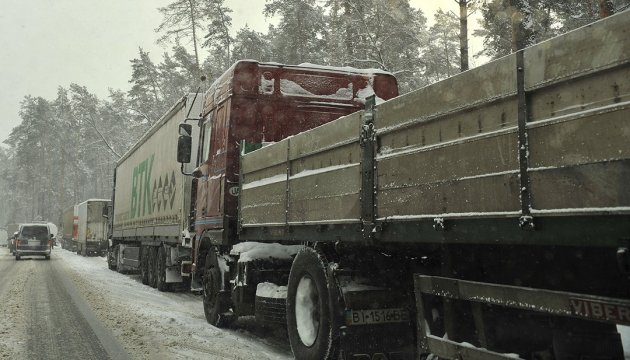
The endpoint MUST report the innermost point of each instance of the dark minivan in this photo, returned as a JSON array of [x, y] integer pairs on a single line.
[[33, 239]]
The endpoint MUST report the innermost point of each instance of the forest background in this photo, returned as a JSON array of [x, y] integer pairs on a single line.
[[65, 149]]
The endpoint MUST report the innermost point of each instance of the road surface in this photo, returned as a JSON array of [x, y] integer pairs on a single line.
[[73, 307], [43, 315]]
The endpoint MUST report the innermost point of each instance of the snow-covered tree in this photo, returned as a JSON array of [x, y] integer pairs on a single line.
[[183, 20], [298, 37], [441, 56], [218, 38], [251, 44]]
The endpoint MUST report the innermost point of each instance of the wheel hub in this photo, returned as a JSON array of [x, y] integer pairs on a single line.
[[307, 311]]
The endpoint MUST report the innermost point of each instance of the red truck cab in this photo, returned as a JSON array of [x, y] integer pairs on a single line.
[[265, 102]]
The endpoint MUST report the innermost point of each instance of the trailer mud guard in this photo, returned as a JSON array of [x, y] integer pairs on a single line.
[[553, 303]]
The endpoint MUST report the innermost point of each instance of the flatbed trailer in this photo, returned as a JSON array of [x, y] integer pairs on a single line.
[[504, 189]]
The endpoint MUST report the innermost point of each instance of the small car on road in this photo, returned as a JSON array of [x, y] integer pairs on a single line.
[[33, 239]]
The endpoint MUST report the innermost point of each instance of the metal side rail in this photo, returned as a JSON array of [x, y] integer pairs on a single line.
[[558, 303]]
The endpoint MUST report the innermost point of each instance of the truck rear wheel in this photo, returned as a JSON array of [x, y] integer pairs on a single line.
[[216, 304], [160, 279], [112, 257], [144, 264], [310, 324], [152, 254]]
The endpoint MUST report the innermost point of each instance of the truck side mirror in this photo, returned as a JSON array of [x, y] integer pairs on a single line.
[[184, 143]]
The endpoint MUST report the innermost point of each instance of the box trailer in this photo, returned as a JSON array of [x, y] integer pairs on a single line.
[[70, 231], [92, 227], [151, 203]]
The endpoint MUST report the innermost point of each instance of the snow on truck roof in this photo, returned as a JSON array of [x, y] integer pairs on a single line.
[[344, 69]]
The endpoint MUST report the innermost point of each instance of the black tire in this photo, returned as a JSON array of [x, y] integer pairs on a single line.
[[152, 266], [216, 304], [47, 257], [17, 257], [112, 257], [144, 265], [160, 278], [119, 260], [320, 340]]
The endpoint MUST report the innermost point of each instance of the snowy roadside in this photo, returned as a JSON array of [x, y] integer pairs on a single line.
[[12, 306], [155, 325]]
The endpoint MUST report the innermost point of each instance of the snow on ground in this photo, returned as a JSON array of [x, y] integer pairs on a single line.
[[156, 325], [12, 307]]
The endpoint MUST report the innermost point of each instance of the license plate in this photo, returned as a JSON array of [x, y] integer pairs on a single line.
[[598, 310], [376, 316]]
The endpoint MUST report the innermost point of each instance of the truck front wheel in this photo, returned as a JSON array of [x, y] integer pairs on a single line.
[[216, 303], [310, 324]]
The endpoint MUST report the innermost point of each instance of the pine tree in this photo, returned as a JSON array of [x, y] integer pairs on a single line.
[[250, 44], [183, 20], [218, 38], [298, 37], [146, 94], [441, 56], [386, 35]]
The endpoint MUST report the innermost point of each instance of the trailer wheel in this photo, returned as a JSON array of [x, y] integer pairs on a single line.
[[112, 257], [160, 278], [144, 264], [152, 253], [310, 324], [216, 304]]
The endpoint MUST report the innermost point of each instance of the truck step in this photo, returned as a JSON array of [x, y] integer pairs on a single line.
[[271, 310]]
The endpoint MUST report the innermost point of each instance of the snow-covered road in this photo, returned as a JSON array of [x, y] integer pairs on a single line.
[[154, 325], [115, 312]]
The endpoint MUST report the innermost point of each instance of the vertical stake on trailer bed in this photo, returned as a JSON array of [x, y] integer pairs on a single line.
[[367, 141], [287, 202], [526, 221]]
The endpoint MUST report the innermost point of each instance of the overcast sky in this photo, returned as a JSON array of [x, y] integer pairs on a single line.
[[50, 43]]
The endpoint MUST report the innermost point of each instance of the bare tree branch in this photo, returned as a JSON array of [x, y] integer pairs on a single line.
[[91, 122]]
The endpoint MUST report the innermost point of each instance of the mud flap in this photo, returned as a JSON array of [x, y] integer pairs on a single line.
[[377, 342], [377, 325], [173, 275]]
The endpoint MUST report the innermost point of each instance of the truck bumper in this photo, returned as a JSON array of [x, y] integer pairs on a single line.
[[96, 247], [30, 251]]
